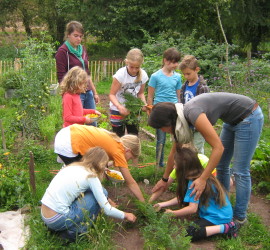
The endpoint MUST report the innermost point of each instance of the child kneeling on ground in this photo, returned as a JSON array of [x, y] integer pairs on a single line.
[[215, 209], [75, 196]]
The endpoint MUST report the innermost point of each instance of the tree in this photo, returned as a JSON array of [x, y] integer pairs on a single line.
[[248, 22]]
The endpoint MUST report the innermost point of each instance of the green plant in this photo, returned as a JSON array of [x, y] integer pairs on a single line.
[[134, 105], [14, 188], [160, 230], [34, 93], [260, 167], [11, 80]]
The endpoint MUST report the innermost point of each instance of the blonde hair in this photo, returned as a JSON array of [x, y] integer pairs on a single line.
[[190, 62], [133, 143], [135, 55], [94, 161], [74, 79], [73, 26]]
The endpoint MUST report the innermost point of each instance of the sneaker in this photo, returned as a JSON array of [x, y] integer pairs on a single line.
[[240, 222], [231, 229]]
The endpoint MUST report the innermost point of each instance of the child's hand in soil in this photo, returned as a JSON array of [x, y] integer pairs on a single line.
[[157, 207], [169, 211], [130, 217]]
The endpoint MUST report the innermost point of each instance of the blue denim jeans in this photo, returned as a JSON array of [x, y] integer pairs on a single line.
[[88, 102], [239, 143], [84, 209], [161, 140], [198, 141]]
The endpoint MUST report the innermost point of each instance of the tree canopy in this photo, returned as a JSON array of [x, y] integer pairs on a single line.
[[246, 22]]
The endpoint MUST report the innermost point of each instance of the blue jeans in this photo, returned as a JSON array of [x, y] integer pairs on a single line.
[[88, 102], [161, 140], [239, 143], [83, 209], [198, 141]]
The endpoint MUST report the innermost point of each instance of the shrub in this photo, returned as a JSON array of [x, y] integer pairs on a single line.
[[11, 80], [14, 188], [260, 167], [33, 96]]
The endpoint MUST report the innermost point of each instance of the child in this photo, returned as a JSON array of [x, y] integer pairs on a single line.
[[195, 85], [75, 196], [73, 84], [164, 86], [215, 210], [130, 79], [73, 141], [203, 160]]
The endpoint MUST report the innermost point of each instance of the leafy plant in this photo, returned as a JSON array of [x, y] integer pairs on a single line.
[[33, 95], [14, 189], [11, 80], [260, 167], [134, 105], [160, 230]]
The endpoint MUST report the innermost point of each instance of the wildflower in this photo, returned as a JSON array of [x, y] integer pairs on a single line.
[[1, 166], [7, 153]]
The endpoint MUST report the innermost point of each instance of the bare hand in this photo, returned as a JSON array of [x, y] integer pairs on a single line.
[[160, 185], [199, 186], [97, 112], [123, 111], [130, 217], [112, 203], [96, 98], [157, 207], [88, 120], [148, 109], [168, 211]]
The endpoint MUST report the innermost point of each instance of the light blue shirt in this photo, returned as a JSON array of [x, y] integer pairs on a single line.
[[213, 213], [165, 86]]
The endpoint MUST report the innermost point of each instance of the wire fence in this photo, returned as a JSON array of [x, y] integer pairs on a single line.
[[100, 70]]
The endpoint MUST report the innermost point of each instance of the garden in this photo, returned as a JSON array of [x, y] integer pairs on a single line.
[[32, 116]]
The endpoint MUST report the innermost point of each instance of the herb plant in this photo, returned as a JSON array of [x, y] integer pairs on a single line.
[[134, 105]]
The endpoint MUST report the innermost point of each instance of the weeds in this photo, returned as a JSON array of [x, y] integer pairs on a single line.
[[160, 230]]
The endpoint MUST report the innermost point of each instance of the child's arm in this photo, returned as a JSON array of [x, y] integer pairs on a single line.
[[178, 92], [156, 194], [150, 97], [114, 89], [190, 209], [91, 111], [95, 94], [141, 94], [168, 203]]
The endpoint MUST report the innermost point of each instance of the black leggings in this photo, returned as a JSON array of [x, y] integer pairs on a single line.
[[68, 160], [198, 231], [131, 129]]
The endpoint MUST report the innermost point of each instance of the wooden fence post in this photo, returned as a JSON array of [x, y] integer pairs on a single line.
[[32, 173], [3, 136]]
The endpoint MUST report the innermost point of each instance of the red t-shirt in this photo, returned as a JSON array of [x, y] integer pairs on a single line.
[[73, 111]]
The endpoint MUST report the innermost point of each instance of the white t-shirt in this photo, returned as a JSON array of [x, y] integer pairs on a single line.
[[68, 184], [62, 143], [128, 85]]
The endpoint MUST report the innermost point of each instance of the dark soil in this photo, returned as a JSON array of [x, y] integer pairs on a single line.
[[131, 238]]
